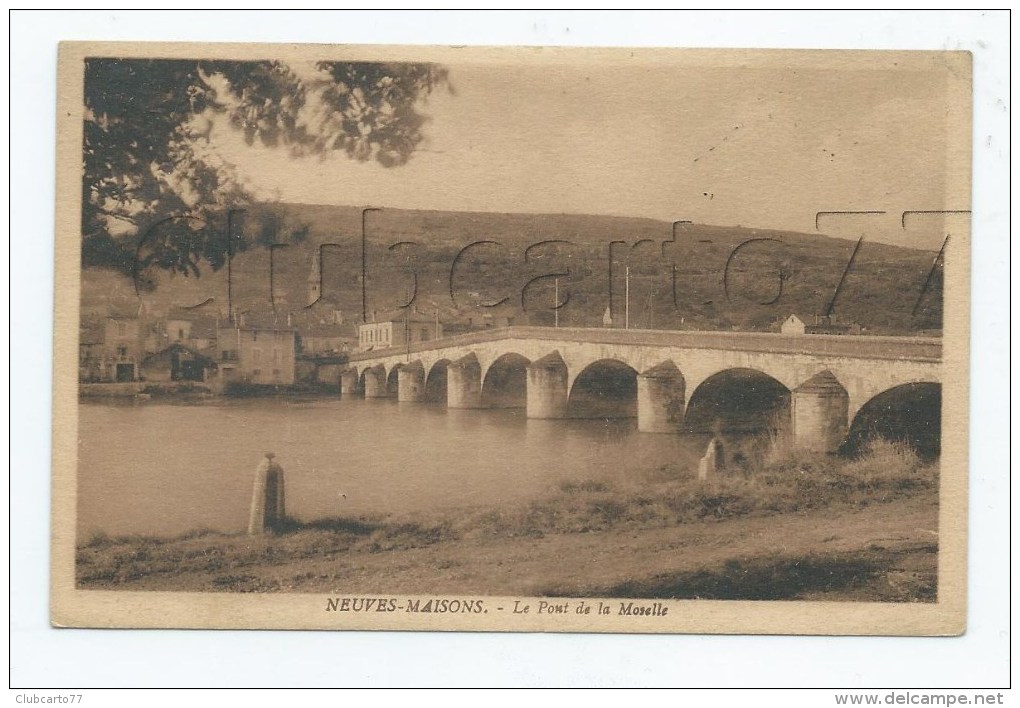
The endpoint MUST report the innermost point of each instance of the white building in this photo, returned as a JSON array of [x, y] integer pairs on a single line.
[[397, 332], [792, 325]]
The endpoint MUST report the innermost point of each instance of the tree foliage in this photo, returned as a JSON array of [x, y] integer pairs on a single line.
[[154, 191]]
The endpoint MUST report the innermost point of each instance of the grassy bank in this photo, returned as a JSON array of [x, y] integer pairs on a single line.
[[885, 482], [780, 485]]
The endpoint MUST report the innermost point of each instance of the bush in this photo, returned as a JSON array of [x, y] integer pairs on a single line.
[[588, 485], [99, 539], [884, 458]]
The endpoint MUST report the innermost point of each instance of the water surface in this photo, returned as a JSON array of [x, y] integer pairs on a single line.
[[165, 468]]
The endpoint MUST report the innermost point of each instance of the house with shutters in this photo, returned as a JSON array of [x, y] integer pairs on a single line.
[[252, 354]]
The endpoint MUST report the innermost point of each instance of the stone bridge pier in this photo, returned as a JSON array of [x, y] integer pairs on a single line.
[[349, 383], [464, 383], [411, 383], [375, 382], [661, 399], [547, 388], [819, 413]]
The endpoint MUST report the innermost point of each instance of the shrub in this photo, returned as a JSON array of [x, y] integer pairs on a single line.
[[883, 458], [99, 539], [588, 485]]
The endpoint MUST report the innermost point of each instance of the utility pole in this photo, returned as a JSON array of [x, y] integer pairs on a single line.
[[626, 300], [556, 303]]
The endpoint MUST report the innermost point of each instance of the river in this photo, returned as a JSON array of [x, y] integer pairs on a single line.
[[160, 469]]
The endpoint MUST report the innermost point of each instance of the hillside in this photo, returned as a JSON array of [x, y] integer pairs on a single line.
[[682, 284]]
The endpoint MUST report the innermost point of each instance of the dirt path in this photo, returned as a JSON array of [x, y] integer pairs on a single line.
[[883, 552]]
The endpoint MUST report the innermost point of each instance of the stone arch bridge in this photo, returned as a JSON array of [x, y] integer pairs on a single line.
[[821, 382]]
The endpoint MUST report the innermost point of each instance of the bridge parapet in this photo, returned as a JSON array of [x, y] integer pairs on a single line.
[[850, 346]]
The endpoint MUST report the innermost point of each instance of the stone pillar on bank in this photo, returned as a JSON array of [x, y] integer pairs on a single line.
[[267, 499], [661, 399], [348, 383], [375, 382], [547, 387], [464, 383], [713, 460], [819, 413], [411, 383]]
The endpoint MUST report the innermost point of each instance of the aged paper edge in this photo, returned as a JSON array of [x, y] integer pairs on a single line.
[[71, 607]]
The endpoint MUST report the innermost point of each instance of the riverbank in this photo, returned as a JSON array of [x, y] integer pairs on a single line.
[[195, 391], [807, 528]]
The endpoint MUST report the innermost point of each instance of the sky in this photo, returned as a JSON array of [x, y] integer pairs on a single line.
[[750, 139]]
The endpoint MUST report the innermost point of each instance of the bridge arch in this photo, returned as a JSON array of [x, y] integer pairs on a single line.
[[435, 381], [373, 381], [505, 382], [350, 383], [740, 400], [911, 413], [606, 388], [579, 356], [392, 380]]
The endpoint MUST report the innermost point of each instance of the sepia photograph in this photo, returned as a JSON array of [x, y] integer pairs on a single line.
[[511, 339]]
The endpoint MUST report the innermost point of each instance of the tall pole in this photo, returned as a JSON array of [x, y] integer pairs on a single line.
[[626, 301], [437, 323], [556, 302]]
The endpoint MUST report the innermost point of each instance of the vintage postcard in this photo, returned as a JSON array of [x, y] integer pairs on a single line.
[[511, 339]]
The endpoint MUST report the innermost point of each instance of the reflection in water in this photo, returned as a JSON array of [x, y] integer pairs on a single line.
[[165, 469]]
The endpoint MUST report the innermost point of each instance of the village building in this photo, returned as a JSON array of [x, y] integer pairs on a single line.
[[792, 325], [829, 324], [314, 281], [203, 334], [180, 327], [821, 324], [153, 337], [178, 330], [177, 363], [475, 322], [256, 354], [111, 349], [121, 348], [398, 331], [90, 352], [326, 338]]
